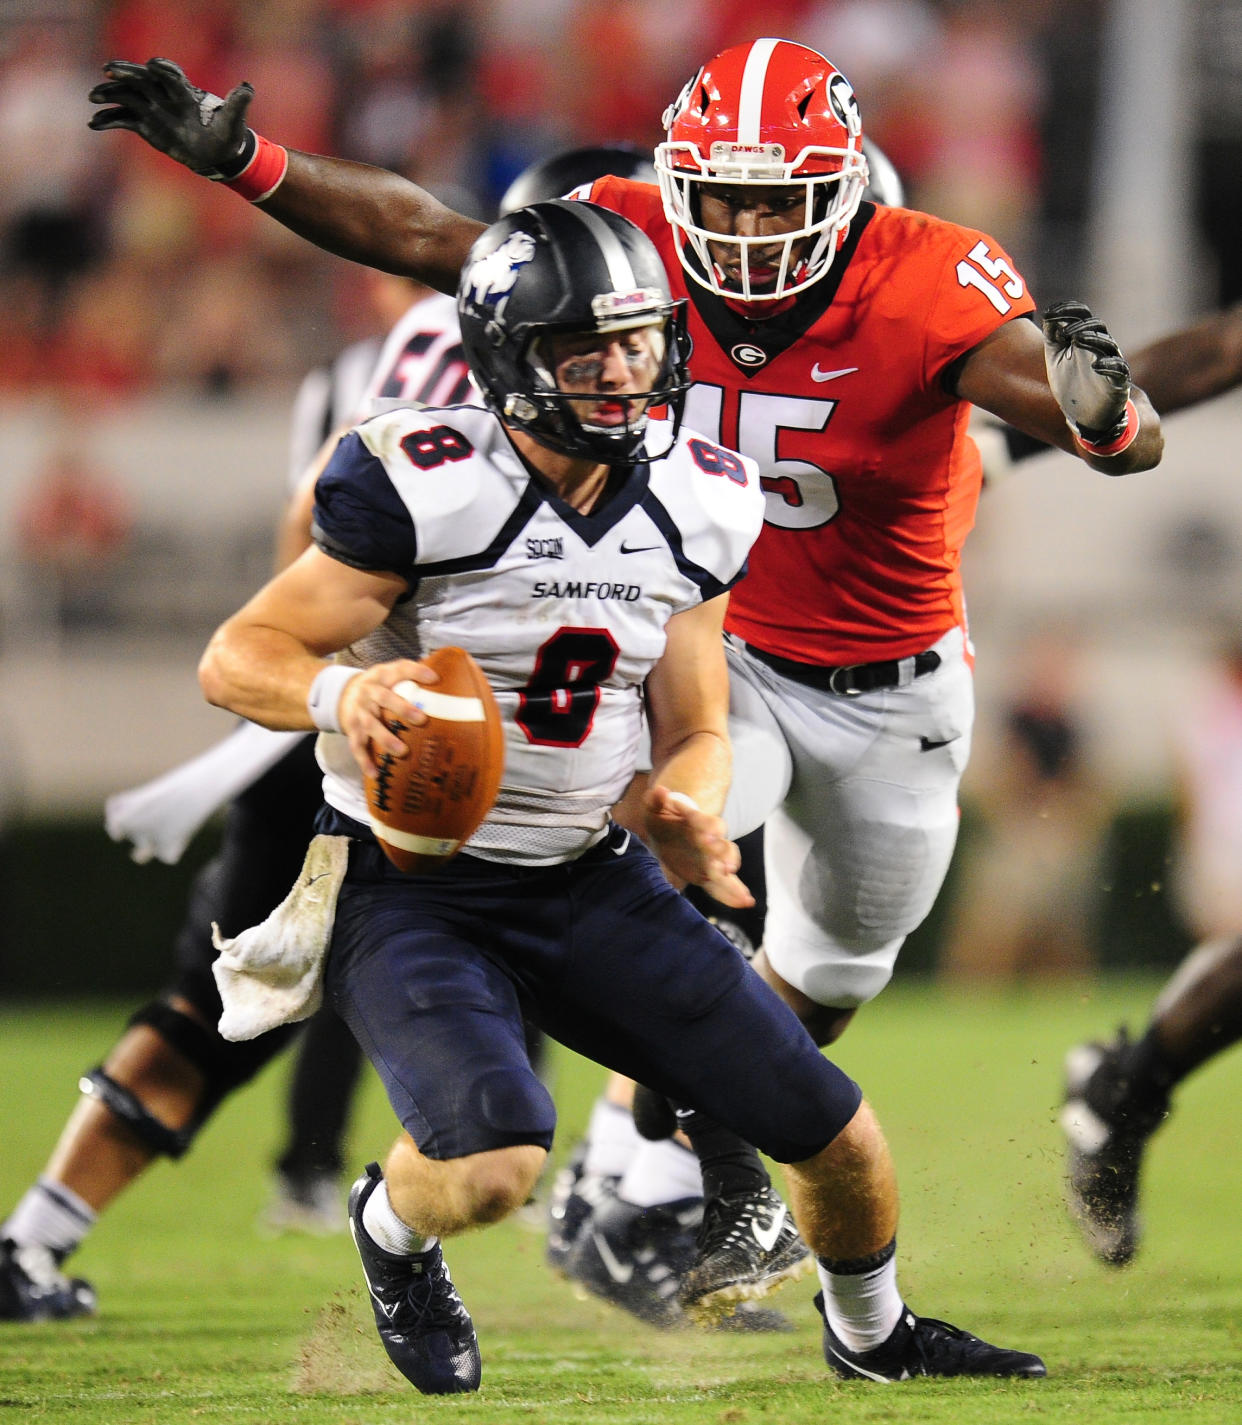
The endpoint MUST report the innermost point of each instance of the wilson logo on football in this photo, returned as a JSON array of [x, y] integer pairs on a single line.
[[426, 805]]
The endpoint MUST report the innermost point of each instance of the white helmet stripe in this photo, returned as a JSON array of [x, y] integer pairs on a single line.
[[750, 104], [620, 270]]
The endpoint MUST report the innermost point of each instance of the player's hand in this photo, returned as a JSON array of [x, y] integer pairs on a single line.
[[370, 702], [694, 846], [1087, 372], [157, 102]]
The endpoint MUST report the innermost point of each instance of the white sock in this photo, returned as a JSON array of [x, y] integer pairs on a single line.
[[862, 1307], [50, 1215], [388, 1231], [612, 1140], [659, 1173]]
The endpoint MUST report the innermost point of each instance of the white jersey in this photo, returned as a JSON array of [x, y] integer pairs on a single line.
[[422, 360], [565, 612]]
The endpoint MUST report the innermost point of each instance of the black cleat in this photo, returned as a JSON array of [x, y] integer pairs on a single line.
[[747, 1247], [923, 1346], [33, 1288], [1106, 1134], [422, 1322]]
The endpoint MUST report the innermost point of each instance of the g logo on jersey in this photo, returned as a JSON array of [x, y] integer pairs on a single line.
[[745, 353], [491, 278], [844, 103]]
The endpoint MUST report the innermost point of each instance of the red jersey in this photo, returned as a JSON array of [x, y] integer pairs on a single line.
[[871, 478]]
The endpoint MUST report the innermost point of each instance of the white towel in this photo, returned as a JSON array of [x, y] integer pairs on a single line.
[[272, 973], [162, 815]]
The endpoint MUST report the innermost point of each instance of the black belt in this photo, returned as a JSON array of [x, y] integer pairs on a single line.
[[856, 678]]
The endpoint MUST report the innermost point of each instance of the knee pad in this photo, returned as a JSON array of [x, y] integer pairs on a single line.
[[515, 1102], [223, 1065], [157, 1136]]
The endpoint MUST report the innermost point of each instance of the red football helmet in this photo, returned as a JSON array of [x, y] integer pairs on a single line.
[[759, 114]]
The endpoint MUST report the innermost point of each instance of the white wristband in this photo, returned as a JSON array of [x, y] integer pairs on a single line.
[[323, 702]]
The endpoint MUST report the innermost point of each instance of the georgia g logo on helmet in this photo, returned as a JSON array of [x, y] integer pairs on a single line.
[[844, 103]]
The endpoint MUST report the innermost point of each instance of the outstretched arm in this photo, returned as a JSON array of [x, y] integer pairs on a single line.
[[374, 217], [363, 213]]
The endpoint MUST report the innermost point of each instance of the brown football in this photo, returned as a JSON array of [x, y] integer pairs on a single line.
[[426, 804]]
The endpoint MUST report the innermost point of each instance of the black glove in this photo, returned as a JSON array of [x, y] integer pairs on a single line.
[[157, 102], [1087, 372]]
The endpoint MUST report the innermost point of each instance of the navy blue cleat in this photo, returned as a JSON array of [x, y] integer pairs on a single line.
[[421, 1320], [634, 1257], [923, 1346]]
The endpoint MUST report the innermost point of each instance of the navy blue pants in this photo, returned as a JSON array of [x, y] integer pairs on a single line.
[[434, 974]]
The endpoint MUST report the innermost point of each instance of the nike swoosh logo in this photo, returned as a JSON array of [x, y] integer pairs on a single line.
[[637, 548], [818, 375], [766, 1236], [389, 1311], [928, 744], [866, 1374], [620, 1272], [621, 850]]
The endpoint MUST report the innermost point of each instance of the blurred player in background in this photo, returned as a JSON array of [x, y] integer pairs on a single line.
[[841, 345], [1117, 1093]]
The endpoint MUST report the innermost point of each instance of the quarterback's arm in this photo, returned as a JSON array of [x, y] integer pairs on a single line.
[[691, 759], [262, 662], [1007, 374]]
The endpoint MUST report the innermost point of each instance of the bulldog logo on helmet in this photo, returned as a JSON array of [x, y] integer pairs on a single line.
[[492, 277]]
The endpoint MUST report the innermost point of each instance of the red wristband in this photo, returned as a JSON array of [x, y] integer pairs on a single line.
[[263, 174], [1118, 443]]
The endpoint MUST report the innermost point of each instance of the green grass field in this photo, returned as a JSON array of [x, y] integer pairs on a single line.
[[204, 1320]]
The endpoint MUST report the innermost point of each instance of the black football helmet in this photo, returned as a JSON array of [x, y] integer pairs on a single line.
[[561, 173], [884, 183], [559, 267]]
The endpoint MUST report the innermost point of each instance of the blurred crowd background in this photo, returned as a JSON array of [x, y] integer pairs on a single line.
[[154, 329]]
